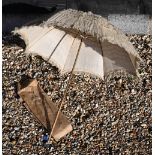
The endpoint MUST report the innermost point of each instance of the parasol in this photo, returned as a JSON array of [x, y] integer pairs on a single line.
[[77, 41]]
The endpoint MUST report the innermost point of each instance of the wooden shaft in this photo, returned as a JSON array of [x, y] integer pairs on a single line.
[[68, 84]]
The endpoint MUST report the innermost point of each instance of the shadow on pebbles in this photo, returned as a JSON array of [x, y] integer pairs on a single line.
[[108, 117]]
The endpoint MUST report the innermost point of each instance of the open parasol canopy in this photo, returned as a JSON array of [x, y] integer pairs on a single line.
[[77, 41]]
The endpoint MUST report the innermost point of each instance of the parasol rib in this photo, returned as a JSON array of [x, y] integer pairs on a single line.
[[56, 47]]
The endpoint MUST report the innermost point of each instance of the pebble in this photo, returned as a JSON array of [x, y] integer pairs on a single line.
[[108, 117]]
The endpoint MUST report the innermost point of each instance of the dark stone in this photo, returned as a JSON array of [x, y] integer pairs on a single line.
[[117, 151], [144, 82], [73, 94], [150, 129], [45, 138], [136, 124], [110, 150]]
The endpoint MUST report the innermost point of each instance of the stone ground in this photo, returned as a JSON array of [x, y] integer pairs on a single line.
[[108, 117]]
